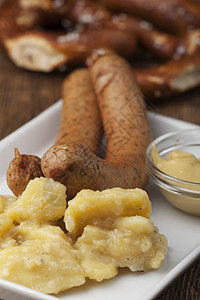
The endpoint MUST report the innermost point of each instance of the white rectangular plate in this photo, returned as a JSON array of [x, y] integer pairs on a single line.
[[181, 229]]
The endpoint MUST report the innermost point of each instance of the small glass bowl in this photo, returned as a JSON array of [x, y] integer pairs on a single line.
[[184, 195]]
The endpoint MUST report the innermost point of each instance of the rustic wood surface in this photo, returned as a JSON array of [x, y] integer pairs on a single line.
[[24, 94]]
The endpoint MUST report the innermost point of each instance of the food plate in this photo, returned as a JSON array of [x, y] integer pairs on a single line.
[[181, 229]]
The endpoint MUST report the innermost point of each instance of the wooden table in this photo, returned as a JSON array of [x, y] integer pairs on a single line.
[[24, 94]]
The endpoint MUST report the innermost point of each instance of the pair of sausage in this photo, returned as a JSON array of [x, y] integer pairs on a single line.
[[73, 160]]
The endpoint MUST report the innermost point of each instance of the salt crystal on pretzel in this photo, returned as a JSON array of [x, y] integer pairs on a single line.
[[171, 78], [40, 50], [44, 51], [171, 15], [47, 5], [160, 44]]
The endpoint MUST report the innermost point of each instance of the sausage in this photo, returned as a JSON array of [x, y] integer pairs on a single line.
[[126, 129], [80, 122], [21, 170], [123, 114], [80, 119]]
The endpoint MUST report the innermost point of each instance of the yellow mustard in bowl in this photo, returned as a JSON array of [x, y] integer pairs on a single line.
[[179, 164], [186, 168]]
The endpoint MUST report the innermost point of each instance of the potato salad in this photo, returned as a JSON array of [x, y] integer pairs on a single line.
[[50, 245]]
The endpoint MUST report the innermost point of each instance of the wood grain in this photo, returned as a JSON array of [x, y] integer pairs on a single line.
[[24, 94]]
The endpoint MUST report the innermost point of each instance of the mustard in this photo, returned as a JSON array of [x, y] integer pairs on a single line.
[[184, 166], [179, 164]]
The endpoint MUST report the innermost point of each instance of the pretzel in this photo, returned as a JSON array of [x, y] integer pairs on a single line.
[[91, 13], [162, 45], [181, 50], [174, 16], [47, 5], [90, 25], [43, 50], [171, 78]]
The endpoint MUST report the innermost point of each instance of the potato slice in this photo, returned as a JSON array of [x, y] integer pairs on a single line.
[[5, 201], [97, 269], [44, 200], [102, 208], [5, 223], [42, 259], [134, 243]]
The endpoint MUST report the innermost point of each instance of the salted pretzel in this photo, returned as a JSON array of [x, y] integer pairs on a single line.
[[174, 16], [47, 5], [89, 25], [42, 50], [183, 51], [177, 75], [171, 78], [161, 44], [158, 82]]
